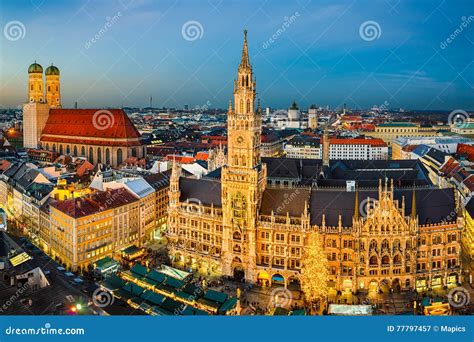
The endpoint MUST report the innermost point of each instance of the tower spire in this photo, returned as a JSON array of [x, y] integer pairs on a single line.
[[245, 62], [413, 204], [356, 204]]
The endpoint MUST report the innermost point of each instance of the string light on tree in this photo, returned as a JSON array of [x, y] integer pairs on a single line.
[[314, 277]]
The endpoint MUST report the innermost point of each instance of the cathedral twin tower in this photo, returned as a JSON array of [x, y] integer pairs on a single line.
[[40, 100], [37, 92]]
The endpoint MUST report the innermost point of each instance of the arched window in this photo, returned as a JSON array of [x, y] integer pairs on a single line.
[[248, 106], [54, 148], [68, 149], [75, 150], [385, 260], [107, 156], [397, 259], [373, 245], [83, 151], [373, 260], [61, 149], [241, 110], [91, 155], [119, 156], [134, 152], [99, 155], [237, 235], [47, 147], [237, 249]]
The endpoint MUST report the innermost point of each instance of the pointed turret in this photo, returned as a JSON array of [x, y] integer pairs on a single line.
[[356, 205], [326, 146], [413, 204], [245, 62]]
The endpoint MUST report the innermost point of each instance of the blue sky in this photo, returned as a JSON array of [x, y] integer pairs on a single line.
[[320, 57]]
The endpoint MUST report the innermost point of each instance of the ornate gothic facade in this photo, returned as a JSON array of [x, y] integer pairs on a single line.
[[375, 238]]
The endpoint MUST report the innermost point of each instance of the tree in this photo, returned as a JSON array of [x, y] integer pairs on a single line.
[[314, 275]]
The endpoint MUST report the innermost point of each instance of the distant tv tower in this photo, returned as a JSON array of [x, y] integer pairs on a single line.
[[151, 101]]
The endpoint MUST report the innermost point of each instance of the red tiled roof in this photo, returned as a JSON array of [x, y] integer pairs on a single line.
[[99, 201], [466, 150], [180, 159], [84, 167], [357, 141], [409, 148], [202, 156], [90, 123], [4, 164]]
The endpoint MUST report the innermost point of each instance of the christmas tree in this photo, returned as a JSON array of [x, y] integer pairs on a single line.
[[314, 275]]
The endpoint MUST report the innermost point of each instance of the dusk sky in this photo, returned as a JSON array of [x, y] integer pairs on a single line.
[[320, 56]]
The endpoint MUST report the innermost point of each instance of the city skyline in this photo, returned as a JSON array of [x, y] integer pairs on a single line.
[[121, 54]]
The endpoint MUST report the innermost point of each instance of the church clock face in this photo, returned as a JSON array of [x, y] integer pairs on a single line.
[[240, 139]]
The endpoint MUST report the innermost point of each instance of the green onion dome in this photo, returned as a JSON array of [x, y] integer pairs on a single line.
[[35, 68]]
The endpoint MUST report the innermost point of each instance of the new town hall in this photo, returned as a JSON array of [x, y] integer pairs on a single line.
[[382, 223]]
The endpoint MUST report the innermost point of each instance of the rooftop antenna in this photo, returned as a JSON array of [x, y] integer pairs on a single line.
[[75, 105], [151, 101]]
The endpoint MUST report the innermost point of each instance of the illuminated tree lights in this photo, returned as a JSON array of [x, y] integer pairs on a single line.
[[314, 275]]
